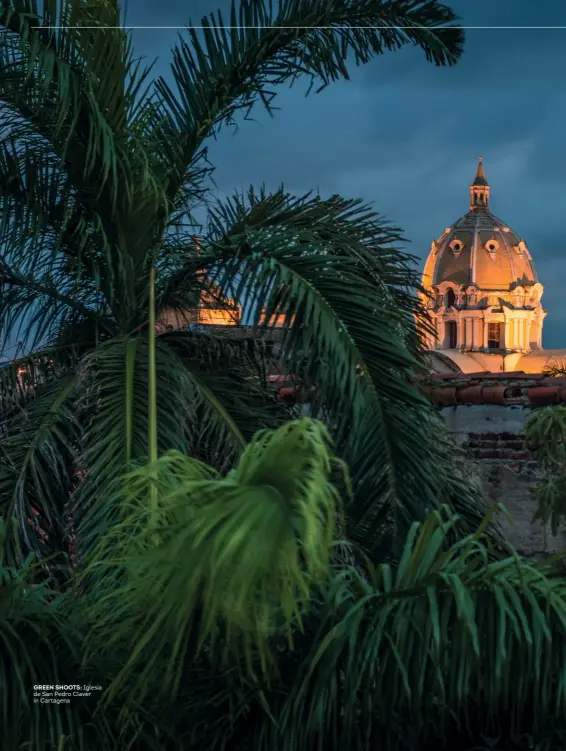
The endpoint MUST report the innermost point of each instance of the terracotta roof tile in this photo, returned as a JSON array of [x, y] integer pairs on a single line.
[[493, 395], [540, 395], [470, 394], [495, 388], [448, 389], [445, 396]]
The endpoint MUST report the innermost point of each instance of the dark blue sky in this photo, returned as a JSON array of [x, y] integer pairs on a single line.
[[405, 135]]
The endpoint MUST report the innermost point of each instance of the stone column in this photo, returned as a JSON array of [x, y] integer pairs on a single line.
[[529, 324], [441, 333], [477, 332], [526, 335], [469, 333]]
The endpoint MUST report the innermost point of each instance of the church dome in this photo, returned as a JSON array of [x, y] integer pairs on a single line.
[[481, 290], [479, 249]]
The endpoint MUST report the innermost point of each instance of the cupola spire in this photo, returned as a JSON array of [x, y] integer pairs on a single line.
[[479, 189]]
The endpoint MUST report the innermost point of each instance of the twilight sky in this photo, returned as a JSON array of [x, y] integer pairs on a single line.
[[405, 135]]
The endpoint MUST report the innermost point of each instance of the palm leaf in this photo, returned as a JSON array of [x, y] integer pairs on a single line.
[[231, 389], [39, 646], [446, 636], [333, 270], [198, 411], [37, 469], [546, 436], [68, 82], [114, 387], [252, 546], [219, 73]]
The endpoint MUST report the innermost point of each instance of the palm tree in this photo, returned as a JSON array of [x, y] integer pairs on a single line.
[[243, 627], [211, 570], [101, 170]]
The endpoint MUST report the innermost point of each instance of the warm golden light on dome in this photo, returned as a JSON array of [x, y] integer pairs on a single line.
[[485, 296]]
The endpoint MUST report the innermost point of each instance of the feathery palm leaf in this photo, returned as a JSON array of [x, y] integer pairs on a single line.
[[238, 554], [445, 635], [232, 389], [39, 646], [119, 160], [198, 411], [36, 470], [332, 269], [224, 72], [546, 436]]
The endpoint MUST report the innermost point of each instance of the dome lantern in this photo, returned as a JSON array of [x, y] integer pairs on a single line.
[[479, 189]]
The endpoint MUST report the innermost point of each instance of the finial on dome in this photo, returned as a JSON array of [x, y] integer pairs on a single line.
[[479, 189], [480, 178]]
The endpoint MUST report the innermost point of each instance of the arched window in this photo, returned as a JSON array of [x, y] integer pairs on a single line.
[[450, 298], [451, 335]]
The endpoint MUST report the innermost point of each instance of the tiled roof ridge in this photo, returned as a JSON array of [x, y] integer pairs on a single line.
[[453, 389], [514, 375], [519, 388]]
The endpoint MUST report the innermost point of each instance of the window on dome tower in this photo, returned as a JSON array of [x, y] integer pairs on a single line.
[[451, 335], [493, 335], [450, 298]]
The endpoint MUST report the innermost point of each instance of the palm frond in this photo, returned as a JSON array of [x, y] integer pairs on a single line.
[[72, 89], [40, 646], [236, 556], [52, 302], [68, 81], [220, 73], [546, 436], [232, 396], [114, 388], [37, 458], [445, 640], [333, 271]]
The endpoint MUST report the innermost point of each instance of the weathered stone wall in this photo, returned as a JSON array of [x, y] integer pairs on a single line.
[[493, 437]]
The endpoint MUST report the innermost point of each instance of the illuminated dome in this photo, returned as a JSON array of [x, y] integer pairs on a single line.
[[484, 296], [479, 249]]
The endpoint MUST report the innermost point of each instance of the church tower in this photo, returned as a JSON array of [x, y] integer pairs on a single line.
[[484, 297]]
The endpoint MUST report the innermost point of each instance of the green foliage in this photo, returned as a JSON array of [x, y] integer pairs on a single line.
[[447, 632], [240, 589], [226, 560], [546, 436], [101, 169], [39, 645], [446, 646], [36, 468]]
